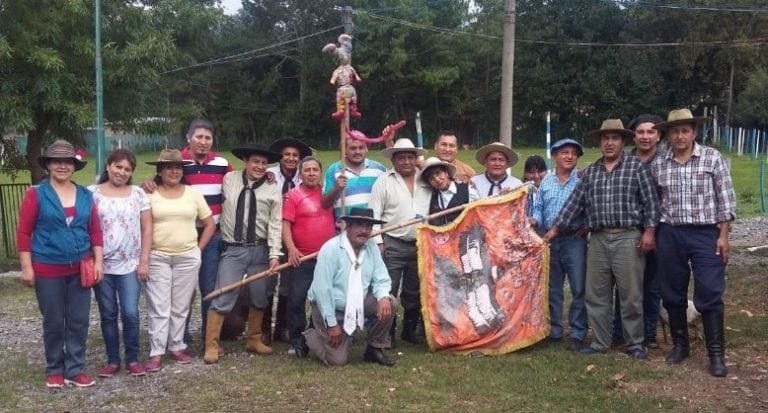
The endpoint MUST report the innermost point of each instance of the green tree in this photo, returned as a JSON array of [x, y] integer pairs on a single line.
[[47, 63]]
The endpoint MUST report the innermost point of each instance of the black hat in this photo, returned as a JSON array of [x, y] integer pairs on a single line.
[[249, 149], [362, 214], [280, 144]]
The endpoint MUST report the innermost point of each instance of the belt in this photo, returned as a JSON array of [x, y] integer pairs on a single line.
[[245, 244], [617, 230]]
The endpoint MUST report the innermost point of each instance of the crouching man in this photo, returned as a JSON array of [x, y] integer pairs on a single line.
[[350, 283]]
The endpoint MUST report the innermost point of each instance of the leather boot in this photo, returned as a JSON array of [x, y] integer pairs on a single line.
[[253, 342], [212, 332], [266, 324], [678, 329], [715, 338], [281, 320], [410, 324]]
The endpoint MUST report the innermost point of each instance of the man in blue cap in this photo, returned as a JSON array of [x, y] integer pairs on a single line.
[[568, 248]]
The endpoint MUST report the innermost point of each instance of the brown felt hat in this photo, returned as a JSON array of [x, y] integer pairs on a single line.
[[170, 156], [61, 149]]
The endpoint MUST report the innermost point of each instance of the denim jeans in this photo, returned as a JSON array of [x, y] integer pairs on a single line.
[[65, 306], [118, 294], [209, 268], [568, 258], [301, 279]]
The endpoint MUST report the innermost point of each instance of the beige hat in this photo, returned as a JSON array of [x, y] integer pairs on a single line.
[[402, 145], [433, 162], [170, 156], [679, 116], [611, 126], [483, 153]]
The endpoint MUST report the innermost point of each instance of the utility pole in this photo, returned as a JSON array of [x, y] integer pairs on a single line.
[[507, 74], [346, 20], [100, 143]]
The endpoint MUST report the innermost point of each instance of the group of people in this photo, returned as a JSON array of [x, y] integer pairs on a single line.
[[201, 223], [627, 232]]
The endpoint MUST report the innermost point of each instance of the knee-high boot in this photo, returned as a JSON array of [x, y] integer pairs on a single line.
[[715, 338], [213, 330], [678, 326], [253, 342]]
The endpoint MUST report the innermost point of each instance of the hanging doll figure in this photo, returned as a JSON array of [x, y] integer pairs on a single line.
[[344, 77]]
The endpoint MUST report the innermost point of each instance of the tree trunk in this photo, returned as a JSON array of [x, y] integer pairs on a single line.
[[35, 145]]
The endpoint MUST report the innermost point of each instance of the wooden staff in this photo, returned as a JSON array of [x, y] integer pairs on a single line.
[[343, 148], [266, 273]]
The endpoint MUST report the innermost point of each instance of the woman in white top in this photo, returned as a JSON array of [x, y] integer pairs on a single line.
[[126, 222]]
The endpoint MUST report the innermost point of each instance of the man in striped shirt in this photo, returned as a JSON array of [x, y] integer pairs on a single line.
[[697, 206], [206, 174], [616, 195], [355, 176]]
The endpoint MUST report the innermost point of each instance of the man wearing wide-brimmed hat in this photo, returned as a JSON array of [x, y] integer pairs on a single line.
[[697, 206], [251, 228], [617, 195], [350, 283], [646, 140], [497, 158], [398, 196], [287, 177], [446, 193], [568, 249]]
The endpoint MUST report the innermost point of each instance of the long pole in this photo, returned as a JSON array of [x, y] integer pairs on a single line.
[[549, 141], [251, 278], [100, 143], [507, 74]]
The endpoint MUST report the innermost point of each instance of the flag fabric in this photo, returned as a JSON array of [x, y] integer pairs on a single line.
[[484, 279]]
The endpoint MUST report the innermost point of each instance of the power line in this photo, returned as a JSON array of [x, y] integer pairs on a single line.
[[696, 8], [720, 43], [241, 56]]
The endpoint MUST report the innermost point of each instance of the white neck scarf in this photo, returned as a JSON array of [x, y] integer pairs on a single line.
[[353, 313]]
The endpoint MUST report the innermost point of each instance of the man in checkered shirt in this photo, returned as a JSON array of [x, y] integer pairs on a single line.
[[697, 206], [616, 196]]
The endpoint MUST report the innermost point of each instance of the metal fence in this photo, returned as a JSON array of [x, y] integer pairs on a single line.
[[10, 202]]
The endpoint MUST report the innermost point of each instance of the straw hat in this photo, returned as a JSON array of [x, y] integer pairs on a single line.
[[402, 145], [170, 156], [280, 144], [434, 162], [245, 151], [483, 152], [679, 116], [61, 149], [611, 126]]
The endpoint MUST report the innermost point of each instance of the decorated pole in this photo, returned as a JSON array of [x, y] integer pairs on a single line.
[[247, 279], [419, 135]]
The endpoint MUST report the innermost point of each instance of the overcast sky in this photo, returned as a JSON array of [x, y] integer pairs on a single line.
[[231, 6]]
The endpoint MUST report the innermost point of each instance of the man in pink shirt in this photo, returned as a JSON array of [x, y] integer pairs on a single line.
[[306, 227]]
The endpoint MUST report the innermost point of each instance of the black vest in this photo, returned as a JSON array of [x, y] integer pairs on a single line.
[[460, 198]]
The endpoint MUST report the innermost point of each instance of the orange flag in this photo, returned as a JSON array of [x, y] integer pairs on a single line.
[[484, 279]]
